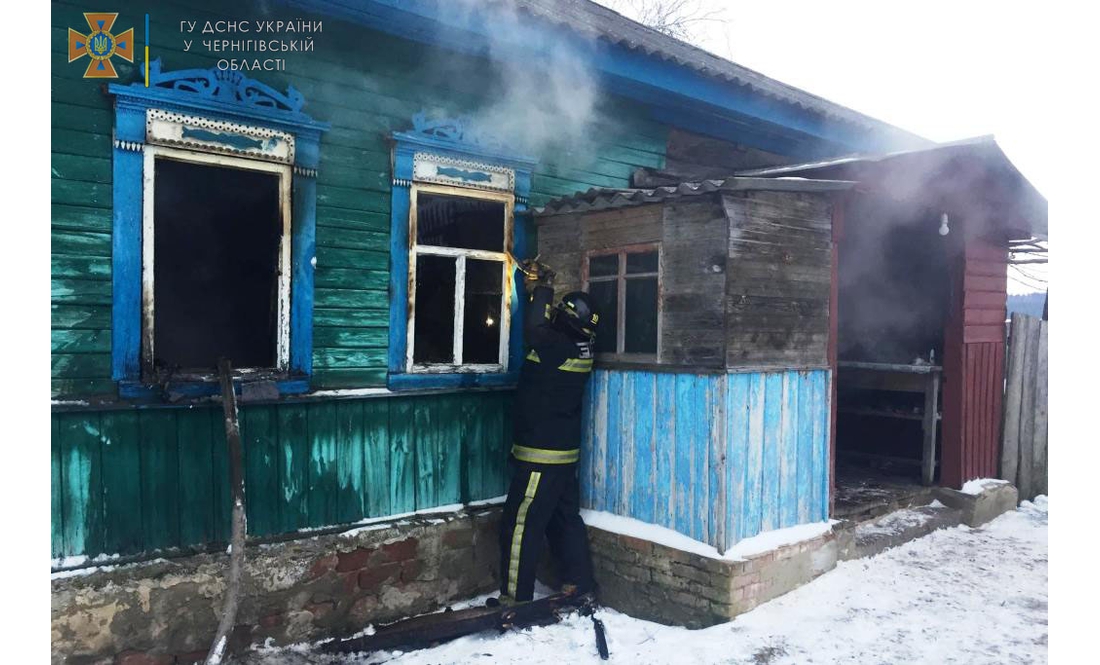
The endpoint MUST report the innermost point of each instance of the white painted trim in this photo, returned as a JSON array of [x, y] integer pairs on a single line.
[[459, 310], [152, 152], [444, 368], [168, 128], [426, 169], [483, 254], [460, 255]]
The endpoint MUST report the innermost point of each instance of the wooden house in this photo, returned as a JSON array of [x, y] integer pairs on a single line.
[[343, 419], [339, 221]]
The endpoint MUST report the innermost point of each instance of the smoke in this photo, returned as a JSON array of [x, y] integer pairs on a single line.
[[895, 269], [539, 91]]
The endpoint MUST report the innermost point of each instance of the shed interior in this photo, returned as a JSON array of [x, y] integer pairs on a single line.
[[893, 300]]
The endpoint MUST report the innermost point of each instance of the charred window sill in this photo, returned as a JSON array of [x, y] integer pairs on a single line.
[[429, 380], [250, 385]]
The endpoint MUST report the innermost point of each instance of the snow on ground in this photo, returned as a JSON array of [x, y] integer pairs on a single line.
[[760, 543], [977, 485], [959, 595]]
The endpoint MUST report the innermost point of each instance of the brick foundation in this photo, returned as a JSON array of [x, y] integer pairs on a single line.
[[655, 582], [165, 612]]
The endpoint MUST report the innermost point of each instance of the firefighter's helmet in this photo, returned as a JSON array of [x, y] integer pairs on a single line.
[[577, 313]]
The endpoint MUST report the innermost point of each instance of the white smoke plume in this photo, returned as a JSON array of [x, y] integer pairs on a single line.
[[540, 90]]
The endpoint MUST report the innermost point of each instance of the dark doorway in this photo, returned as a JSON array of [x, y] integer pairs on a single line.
[[217, 232], [894, 278]]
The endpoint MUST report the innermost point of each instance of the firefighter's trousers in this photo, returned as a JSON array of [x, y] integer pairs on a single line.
[[543, 501]]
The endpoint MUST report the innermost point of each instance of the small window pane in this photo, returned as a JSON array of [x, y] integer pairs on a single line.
[[606, 298], [433, 339], [603, 266], [641, 262], [481, 325], [458, 221], [641, 316]]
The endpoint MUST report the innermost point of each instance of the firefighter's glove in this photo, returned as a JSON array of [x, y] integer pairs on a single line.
[[536, 273]]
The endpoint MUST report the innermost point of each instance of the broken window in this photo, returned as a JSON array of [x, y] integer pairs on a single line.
[[625, 285], [218, 267], [460, 262]]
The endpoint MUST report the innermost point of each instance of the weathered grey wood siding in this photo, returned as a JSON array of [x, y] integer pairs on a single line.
[[780, 266], [693, 282]]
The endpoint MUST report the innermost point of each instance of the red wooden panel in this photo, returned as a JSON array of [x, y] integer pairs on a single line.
[[986, 250], [987, 268], [985, 283], [974, 365], [984, 300], [977, 317], [977, 334]]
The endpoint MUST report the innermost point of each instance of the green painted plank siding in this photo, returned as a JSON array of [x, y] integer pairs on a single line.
[[366, 85], [140, 480]]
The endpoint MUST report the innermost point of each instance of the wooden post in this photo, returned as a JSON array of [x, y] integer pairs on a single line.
[[237, 540], [1039, 451], [931, 419], [1010, 441], [834, 332], [1027, 407]]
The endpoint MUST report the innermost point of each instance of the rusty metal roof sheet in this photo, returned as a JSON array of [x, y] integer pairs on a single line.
[[603, 198]]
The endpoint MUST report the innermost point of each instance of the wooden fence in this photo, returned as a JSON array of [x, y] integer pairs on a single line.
[[1024, 438]]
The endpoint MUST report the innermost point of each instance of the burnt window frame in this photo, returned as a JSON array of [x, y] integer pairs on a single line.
[[620, 278], [148, 259], [231, 114], [460, 254], [443, 150]]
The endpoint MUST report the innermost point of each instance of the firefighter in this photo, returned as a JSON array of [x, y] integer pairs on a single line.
[[544, 496]]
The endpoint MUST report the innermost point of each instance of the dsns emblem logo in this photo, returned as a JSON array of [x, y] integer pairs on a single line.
[[100, 45]]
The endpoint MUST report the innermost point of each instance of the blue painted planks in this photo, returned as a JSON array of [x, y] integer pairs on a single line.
[[788, 454], [773, 446], [754, 467], [664, 454], [718, 458], [701, 496], [682, 472], [717, 502], [613, 459], [642, 495], [821, 405], [737, 444]]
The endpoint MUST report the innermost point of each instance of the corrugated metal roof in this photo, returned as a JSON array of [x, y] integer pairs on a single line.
[[608, 198], [598, 21]]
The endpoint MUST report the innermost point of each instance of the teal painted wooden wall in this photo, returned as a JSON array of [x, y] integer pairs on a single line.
[[139, 480], [366, 85]]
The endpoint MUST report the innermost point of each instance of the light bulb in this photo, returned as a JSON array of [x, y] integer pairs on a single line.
[[944, 230]]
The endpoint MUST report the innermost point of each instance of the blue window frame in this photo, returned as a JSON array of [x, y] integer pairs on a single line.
[[439, 157], [222, 118]]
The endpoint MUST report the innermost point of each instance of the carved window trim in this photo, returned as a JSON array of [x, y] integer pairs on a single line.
[[232, 110], [494, 172]]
